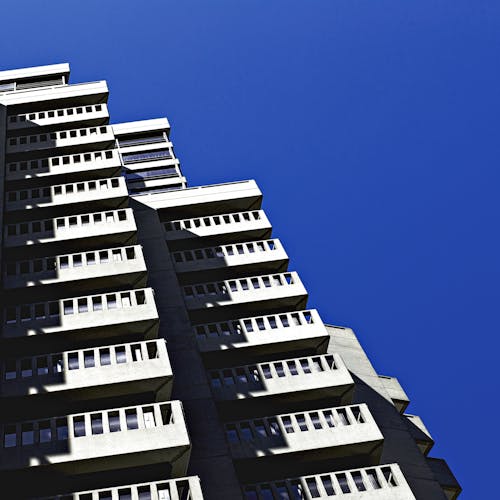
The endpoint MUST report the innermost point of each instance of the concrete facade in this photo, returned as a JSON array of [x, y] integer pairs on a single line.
[[155, 343]]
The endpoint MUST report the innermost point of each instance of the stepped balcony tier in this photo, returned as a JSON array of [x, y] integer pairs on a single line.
[[89, 116], [83, 271], [200, 200], [383, 482], [54, 380], [396, 392], [237, 226], [79, 166], [445, 477], [264, 335], [65, 199], [77, 232], [290, 440], [58, 96], [255, 293], [419, 432], [256, 256], [105, 440], [108, 315], [69, 141], [296, 379], [186, 488]]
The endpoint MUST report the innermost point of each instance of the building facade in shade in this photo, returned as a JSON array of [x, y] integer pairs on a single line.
[[155, 343]]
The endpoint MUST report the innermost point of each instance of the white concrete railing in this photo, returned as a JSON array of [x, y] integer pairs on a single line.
[[257, 324], [77, 307], [65, 226], [225, 251], [250, 284], [286, 368], [35, 367], [83, 160], [280, 425], [64, 193], [62, 428], [74, 260], [186, 488], [41, 118], [380, 482], [49, 139], [214, 221]]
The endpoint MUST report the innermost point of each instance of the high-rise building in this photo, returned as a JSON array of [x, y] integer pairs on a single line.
[[155, 344]]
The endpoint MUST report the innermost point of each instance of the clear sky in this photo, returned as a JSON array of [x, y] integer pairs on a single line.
[[372, 128]]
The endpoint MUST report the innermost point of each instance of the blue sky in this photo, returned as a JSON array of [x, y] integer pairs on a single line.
[[372, 128]]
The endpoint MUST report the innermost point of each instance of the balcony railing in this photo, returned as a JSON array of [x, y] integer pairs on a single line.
[[286, 288], [140, 141], [325, 373], [61, 165], [153, 433], [286, 331], [383, 482], [145, 362], [113, 263], [52, 116], [99, 192], [257, 253], [60, 139], [186, 488], [253, 222], [312, 431], [144, 156], [113, 226], [107, 314]]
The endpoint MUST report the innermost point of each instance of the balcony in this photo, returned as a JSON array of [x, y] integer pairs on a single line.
[[419, 432], [396, 392], [186, 488], [287, 442], [238, 226], [96, 164], [383, 482], [70, 141], [97, 442], [106, 268], [64, 199], [83, 231], [256, 293], [248, 257], [54, 380], [297, 379], [102, 316], [90, 115], [197, 201], [264, 335], [445, 477], [60, 95]]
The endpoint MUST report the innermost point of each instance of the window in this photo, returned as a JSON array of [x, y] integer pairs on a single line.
[[10, 438], [27, 434], [287, 423], [73, 361], [61, 429], [131, 419], [79, 426], [96, 423], [10, 370], [104, 357], [121, 356], [114, 421], [44, 431], [231, 434], [88, 359]]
